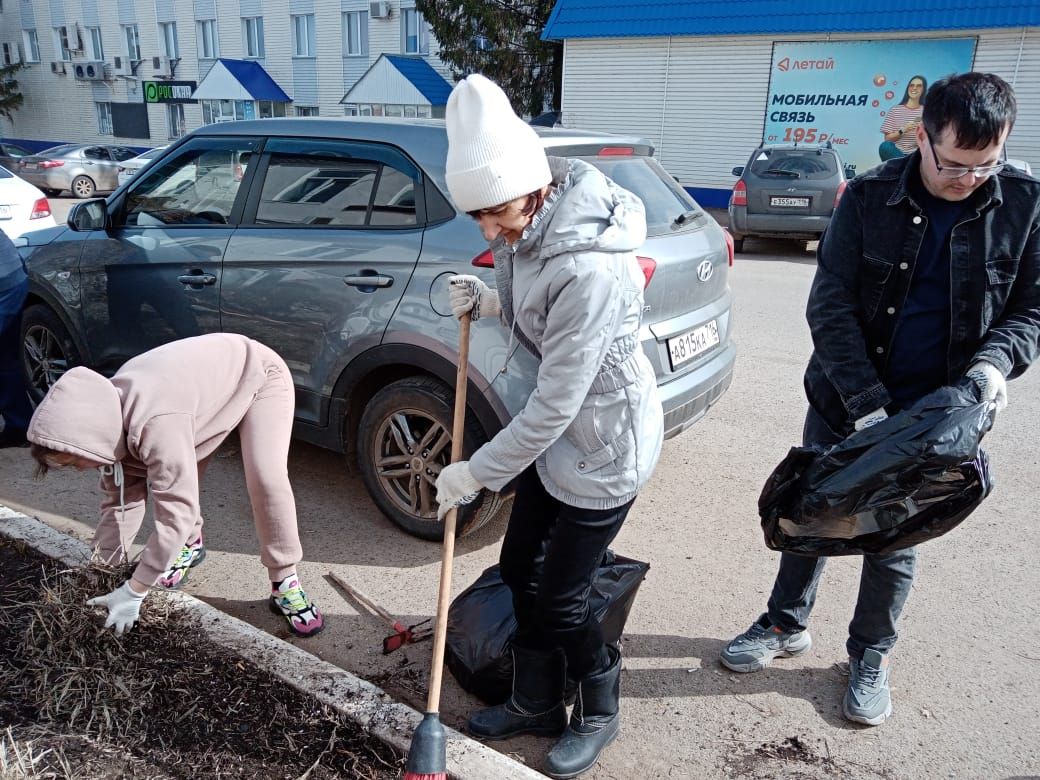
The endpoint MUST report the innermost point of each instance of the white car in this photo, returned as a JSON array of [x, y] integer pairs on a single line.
[[129, 168], [23, 207]]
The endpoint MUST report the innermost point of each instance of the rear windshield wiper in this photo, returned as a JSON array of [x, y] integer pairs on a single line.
[[781, 172], [686, 216]]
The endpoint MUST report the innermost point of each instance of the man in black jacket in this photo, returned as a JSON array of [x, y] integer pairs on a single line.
[[14, 403], [930, 270]]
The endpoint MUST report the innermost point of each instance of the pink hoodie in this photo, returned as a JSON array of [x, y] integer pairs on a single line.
[[161, 413]]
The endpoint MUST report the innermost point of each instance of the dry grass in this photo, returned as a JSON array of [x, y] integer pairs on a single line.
[[162, 692]]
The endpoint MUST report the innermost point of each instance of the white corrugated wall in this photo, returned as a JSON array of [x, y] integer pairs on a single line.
[[701, 100]]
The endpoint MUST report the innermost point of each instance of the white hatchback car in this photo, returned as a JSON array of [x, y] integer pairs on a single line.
[[23, 207], [130, 168]]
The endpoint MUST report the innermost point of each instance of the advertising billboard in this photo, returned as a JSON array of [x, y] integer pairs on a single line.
[[864, 97]]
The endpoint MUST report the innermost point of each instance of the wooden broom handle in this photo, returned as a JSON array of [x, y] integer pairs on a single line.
[[458, 431]]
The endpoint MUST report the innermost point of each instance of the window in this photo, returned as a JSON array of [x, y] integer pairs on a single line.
[[306, 110], [413, 32], [209, 44], [329, 183], [197, 186], [168, 38], [269, 108], [32, 45], [97, 49], [253, 36], [104, 118], [8, 56], [133, 42], [174, 120], [355, 34], [303, 35], [61, 44]]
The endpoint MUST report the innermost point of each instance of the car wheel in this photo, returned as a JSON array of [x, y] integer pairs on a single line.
[[51, 193], [83, 187], [403, 442], [738, 244], [47, 350]]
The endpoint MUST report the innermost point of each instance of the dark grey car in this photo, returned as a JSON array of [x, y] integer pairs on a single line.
[[83, 169], [10, 154], [786, 192], [332, 241]]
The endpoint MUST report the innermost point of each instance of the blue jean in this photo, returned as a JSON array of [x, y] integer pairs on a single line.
[[551, 596], [14, 402], [884, 583]]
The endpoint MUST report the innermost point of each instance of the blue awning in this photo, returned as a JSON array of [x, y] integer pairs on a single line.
[[239, 80], [398, 78], [635, 18], [422, 75]]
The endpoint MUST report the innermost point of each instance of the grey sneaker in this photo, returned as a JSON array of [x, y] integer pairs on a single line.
[[755, 648], [867, 699]]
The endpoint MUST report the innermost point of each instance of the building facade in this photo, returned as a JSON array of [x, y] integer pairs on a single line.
[[129, 71], [699, 79]]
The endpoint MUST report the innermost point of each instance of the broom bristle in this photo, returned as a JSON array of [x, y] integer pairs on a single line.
[[438, 776]]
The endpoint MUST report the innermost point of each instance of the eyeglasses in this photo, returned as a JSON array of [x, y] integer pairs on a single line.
[[956, 171]]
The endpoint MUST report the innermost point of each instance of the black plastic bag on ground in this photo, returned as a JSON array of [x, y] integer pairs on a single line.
[[481, 624], [910, 478]]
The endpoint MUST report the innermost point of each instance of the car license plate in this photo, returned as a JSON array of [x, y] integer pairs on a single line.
[[692, 343], [790, 202], [5, 212], [29, 166]]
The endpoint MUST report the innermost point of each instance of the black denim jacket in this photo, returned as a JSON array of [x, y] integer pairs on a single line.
[[866, 260]]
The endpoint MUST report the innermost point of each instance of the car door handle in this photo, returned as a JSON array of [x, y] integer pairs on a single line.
[[197, 279], [366, 280]]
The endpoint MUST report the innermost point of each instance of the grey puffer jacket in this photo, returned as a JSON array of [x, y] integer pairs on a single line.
[[571, 291]]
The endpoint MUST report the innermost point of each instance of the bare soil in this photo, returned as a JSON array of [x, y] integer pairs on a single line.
[[160, 702]]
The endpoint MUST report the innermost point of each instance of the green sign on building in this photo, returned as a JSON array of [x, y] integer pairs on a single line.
[[169, 91]]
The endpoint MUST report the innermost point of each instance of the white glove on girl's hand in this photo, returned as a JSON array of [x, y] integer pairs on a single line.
[[991, 383], [455, 486], [873, 418], [469, 294], [123, 605]]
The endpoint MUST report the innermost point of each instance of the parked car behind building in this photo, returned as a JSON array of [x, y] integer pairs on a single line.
[[84, 169], [332, 240], [22, 206], [786, 192]]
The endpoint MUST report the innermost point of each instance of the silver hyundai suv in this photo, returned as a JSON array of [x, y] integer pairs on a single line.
[[332, 240]]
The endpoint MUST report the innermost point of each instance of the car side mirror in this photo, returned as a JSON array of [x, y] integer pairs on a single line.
[[89, 215], [738, 171]]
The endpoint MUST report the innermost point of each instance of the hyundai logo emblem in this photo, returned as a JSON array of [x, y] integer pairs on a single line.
[[705, 270]]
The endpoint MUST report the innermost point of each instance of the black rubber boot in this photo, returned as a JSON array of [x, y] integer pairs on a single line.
[[594, 723], [536, 704]]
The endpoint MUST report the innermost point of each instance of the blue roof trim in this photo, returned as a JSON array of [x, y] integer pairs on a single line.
[[256, 81], [423, 77], [642, 18]]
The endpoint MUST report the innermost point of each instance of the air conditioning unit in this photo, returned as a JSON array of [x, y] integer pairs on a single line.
[[379, 9], [89, 71], [57, 67], [121, 66], [161, 67]]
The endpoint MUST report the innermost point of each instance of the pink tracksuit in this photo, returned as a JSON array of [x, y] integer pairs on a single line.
[[155, 424]]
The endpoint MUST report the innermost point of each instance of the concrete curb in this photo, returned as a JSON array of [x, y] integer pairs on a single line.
[[363, 703]]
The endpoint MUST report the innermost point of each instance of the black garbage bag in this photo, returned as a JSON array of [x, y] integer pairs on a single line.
[[481, 624], [910, 478]]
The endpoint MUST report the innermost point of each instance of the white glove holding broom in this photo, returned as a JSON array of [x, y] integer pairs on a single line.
[[123, 605], [455, 485]]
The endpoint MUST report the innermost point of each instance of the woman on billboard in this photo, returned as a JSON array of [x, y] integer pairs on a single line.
[[900, 126]]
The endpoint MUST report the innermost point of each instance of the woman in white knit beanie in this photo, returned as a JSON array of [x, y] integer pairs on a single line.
[[569, 288]]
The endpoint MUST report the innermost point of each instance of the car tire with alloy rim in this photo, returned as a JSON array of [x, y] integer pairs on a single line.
[[83, 187], [48, 350], [403, 442]]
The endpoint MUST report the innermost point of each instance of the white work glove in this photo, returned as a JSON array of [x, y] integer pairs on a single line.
[[469, 294], [455, 485], [123, 605], [991, 383], [873, 418]]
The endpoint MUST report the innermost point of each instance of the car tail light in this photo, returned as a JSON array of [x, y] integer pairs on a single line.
[[648, 266], [484, 260], [50, 164], [839, 193], [41, 209], [616, 151], [729, 246], [739, 197]]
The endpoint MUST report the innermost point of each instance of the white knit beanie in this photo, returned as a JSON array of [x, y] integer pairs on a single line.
[[493, 155]]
